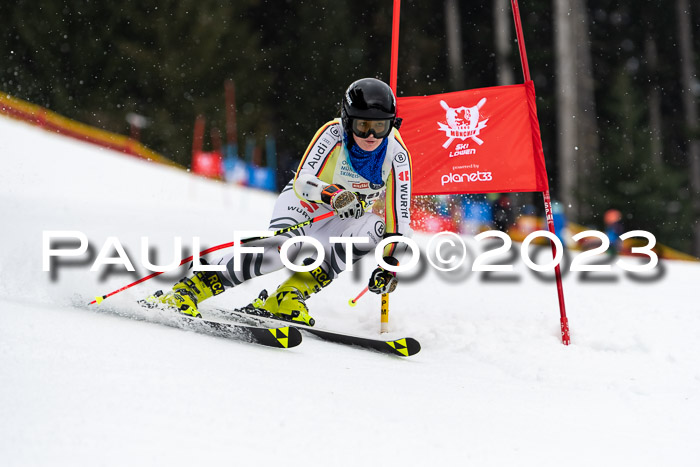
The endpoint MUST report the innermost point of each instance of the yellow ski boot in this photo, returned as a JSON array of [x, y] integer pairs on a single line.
[[289, 300], [187, 293]]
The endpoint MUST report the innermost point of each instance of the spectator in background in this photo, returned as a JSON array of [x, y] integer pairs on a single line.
[[502, 213], [613, 229]]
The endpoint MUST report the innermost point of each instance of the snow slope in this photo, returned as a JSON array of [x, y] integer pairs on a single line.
[[493, 385]]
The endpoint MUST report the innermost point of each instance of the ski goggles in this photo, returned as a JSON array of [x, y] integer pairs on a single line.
[[364, 128]]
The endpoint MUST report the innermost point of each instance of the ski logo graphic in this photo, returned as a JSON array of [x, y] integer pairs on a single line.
[[462, 123], [400, 346], [282, 335]]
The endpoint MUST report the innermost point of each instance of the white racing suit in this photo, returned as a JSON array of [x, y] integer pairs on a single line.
[[326, 162]]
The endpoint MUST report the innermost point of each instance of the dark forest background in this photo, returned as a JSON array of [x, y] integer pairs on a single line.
[[624, 72]]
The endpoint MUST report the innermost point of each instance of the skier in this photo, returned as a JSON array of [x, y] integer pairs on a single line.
[[350, 162]]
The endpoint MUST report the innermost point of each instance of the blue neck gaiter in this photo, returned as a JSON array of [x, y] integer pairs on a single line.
[[367, 163]]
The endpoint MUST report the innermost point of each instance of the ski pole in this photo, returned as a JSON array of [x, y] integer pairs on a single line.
[[353, 301], [101, 298], [384, 322]]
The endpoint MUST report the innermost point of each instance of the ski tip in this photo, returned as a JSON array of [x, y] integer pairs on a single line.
[[294, 337], [285, 337], [404, 347]]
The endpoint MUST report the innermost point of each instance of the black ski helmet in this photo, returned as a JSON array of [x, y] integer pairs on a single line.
[[367, 99]]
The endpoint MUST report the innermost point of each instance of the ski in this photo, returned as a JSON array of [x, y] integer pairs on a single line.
[[280, 336], [404, 347]]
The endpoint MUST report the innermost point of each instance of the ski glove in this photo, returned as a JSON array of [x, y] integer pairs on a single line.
[[345, 203], [382, 281]]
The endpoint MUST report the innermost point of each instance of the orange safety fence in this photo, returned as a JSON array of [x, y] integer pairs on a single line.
[[51, 121]]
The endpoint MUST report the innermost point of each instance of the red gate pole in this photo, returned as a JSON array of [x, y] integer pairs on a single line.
[[565, 337], [394, 45]]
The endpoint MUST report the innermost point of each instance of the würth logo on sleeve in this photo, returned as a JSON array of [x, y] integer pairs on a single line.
[[462, 123], [404, 176]]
